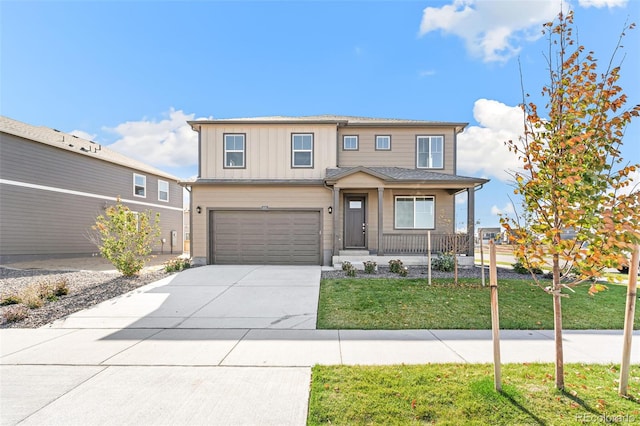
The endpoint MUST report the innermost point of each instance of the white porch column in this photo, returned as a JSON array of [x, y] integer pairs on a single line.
[[380, 221]]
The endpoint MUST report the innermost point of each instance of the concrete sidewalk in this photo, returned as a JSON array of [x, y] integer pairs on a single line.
[[228, 346]]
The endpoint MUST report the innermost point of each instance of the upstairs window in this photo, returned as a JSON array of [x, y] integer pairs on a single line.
[[302, 150], [430, 152], [415, 213], [163, 190], [350, 143], [383, 143], [139, 185], [234, 151]]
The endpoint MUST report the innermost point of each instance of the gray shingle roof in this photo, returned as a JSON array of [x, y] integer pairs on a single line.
[[75, 144], [402, 174], [344, 120]]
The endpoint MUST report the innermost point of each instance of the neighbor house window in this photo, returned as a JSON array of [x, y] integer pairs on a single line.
[[163, 190], [234, 150], [383, 143], [139, 185], [430, 152], [302, 150], [350, 143], [415, 213]]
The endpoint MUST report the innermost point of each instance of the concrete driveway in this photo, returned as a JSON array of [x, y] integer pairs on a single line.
[[213, 297]]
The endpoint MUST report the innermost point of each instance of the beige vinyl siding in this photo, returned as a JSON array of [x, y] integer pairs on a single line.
[[240, 197], [268, 151], [403, 147], [53, 220]]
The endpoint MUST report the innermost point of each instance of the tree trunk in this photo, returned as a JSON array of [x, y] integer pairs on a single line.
[[557, 323]]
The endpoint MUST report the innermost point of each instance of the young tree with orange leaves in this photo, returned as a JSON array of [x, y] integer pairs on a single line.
[[573, 176]]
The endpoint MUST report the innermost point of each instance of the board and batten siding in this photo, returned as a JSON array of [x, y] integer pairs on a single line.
[[267, 151], [240, 197], [403, 147], [50, 197]]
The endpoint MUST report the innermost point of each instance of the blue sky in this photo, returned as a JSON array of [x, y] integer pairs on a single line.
[[129, 74]]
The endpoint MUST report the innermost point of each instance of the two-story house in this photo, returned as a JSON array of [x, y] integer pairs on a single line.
[[53, 185], [299, 190]]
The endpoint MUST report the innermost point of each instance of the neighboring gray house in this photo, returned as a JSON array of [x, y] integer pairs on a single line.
[[53, 185]]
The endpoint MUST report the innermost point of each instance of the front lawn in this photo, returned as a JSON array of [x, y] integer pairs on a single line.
[[391, 304], [453, 394]]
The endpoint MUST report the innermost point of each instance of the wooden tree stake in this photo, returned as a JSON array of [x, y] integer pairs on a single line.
[[628, 322], [495, 319]]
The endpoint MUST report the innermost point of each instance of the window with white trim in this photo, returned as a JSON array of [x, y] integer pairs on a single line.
[[383, 143], [415, 213], [163, 190], [350, 143], [234, 151], [139, 185], [429, 151], [302, 150]]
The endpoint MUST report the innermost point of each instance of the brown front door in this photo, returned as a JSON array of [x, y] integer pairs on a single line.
[[355, 222]]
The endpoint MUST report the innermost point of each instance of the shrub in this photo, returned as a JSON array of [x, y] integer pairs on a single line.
[[33, 296], [445, 263], [403, 271], [15, 313], [370, 267], [519, 268], [349, 268], [395, 266], [61, 287], [125, 238], [176, 265], [12, 299]]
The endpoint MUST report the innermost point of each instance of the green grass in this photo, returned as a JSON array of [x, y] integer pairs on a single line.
[[454, 394], [392, 304]]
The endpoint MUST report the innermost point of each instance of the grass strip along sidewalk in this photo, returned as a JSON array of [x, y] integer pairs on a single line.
[[393, 304], [461, 394]]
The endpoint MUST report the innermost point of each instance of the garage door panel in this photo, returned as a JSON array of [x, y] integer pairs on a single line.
[[265, 237]]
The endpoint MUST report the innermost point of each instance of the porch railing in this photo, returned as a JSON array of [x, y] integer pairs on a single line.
[[417, 243]]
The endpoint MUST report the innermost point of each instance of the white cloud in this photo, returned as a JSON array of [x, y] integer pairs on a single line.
[[166, 143], [481, 149], [492, 30], [602, 3], [82, 134], [427, 73], [506, 210]]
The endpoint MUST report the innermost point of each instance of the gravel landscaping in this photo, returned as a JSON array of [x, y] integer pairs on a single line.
[[86, 289], [421, 272]]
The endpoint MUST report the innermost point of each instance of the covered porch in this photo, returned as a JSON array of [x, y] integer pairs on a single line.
[[389, 211]]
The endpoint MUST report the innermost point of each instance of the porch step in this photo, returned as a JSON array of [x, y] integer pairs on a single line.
[[353, 253]]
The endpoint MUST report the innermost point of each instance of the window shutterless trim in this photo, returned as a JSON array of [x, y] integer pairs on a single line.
[[293, 151], [344, 141], [429, 157], [224, 151], [383, 136], [143, 186], [160, 182], [413, 197]]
